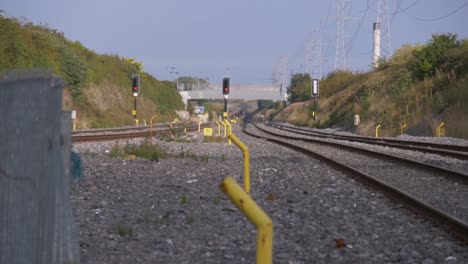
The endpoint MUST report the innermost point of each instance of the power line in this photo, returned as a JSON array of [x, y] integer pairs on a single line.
[[398, 10], [441, 17], [359, 26]]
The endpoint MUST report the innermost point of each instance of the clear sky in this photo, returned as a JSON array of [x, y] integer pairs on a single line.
[[244, 39]]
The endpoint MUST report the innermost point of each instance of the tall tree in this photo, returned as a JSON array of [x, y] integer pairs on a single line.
[[300, 88], [428, 59]]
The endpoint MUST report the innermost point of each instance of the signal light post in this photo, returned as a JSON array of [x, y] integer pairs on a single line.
[[135, 91], [225, 93], [315, 95]]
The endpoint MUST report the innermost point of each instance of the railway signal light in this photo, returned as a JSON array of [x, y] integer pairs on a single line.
[[135, 84], [315, 88], [225, 86]]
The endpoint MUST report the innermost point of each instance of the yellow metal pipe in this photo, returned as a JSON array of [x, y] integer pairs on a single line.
[[402, 130], [245, 151], [229, 130], [256, 215], [439, 129], [173, 122], [224, 127], [151, 125], [377, 131], [219, 128], [229, 126]]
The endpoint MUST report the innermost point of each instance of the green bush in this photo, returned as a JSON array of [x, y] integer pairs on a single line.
[[300, 87], [75, 71], [144, 150], [123, 230], [429, 58]]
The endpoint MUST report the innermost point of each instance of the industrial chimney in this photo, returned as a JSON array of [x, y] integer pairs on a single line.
[[376, 57]]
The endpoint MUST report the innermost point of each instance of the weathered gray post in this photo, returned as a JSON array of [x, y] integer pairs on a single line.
[[31, 169], [66, 247]]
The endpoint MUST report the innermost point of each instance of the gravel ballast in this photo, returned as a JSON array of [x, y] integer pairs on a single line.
[[445, 193], [172, 211]]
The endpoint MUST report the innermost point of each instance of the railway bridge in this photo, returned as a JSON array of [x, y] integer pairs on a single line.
[[237, 91]]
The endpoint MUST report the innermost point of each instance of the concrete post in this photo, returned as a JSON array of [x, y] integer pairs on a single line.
[[31, 166]]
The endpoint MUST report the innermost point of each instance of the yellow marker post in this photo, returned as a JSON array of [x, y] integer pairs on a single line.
[[74, 125], [245, 151], [173, 122], [377, 131], [225, 130], [441, 130], [256, 215], [219, 128], [151, 126], [402, 129], [136, 122]]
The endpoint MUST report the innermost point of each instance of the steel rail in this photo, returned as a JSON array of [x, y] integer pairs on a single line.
[[460, 152], [124, 129], [455, 226], [138, 134], [454, 174]]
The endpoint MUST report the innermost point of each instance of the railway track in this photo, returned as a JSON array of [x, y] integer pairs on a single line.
[[460, 152], [438, 193], [128, 132]]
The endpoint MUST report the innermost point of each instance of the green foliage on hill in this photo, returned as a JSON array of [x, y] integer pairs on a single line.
[[300, 88], [420, 86], [99, 86]]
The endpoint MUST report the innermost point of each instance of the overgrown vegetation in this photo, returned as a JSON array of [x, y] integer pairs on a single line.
[[300, 88], [184, 199], [419, 86], [144, 150], [193, 156], [99, 86], [124, 230]]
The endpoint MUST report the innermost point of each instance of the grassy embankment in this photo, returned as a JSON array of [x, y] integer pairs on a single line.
[[99, 86], [420, 86]]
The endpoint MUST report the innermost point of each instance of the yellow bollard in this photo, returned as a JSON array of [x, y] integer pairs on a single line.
[[219, 128], [441, 130], [245, 151], [256, 215], [136, 122], [175, 121], [377, 131], [151, 126], [402, 129]]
